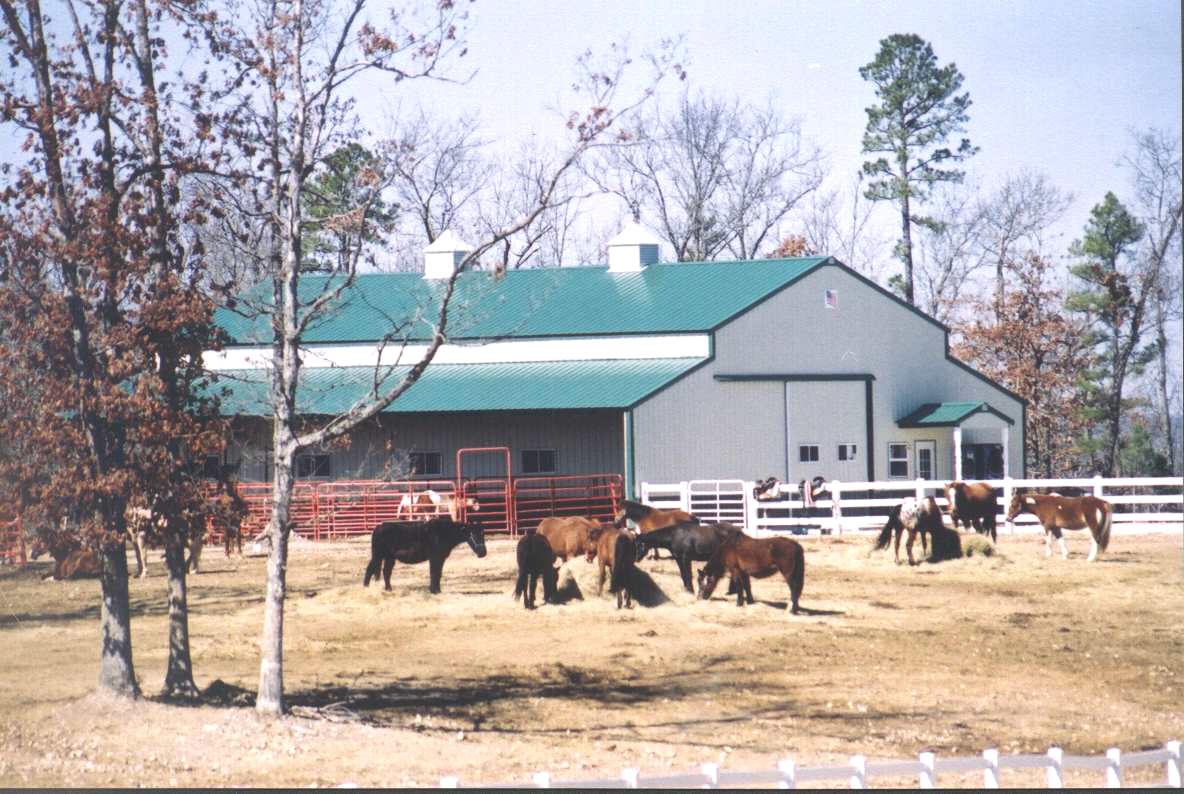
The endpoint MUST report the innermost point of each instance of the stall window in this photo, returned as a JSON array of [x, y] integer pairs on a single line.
[[539, 461], [312, 467], [426, 464], [898, 461], [808, 453], [847, 452]]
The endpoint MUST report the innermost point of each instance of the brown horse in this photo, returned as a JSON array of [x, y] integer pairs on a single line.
[[70, 561], [742, 557], [535, 561], [972, 504], [615, 550], [1066, 512], [914, 517], [570, 536], [647, 518]]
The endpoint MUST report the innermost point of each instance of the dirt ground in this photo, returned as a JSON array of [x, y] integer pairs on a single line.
[[1012, 651]]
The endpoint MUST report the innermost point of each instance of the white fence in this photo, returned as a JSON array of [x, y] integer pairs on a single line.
[[858, 771], [852, 506]]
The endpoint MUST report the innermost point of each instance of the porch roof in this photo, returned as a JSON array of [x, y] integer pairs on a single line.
[[523, 386], [949, 414]]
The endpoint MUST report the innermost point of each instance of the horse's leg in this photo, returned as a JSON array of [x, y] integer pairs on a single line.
[[1061, 540], [909, 545], [898, 531], [684, 570], [197, 542], [388, 565], [530, 591], [140, 542], [1047, 542], [1093, 546], [436, 568], [600, 581]]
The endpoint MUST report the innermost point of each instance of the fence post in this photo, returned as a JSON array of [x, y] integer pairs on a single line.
[[1098, 485], [630, 775], [450, 782], [920, 492], [836, 509], [928, 773], [858, 766], [684, 496], [789, 773], [1007, 491], [1173, 764], [711, 772], [991, 773], [1114, 768], [1055, 777], [750, 507], [542, 779]]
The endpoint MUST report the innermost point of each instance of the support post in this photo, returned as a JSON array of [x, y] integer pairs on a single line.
[[957, 453], [1173, 764], [836, 508], [928, 770], [542, 779], [858, 766], [991, 773], [1056, 777], [1006, 463], [711, 772], [629, 775], [1098, 485], [1008, 490], [789, 773], [450, 782], [920, 491], [1114, 768]]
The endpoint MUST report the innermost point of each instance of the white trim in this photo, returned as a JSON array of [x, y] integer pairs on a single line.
[[594, 348]]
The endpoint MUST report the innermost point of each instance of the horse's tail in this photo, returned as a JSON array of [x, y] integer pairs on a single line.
[[886, 533], [797, 576], [623, 555], [1104, 531], [520, 587], [372, 570]]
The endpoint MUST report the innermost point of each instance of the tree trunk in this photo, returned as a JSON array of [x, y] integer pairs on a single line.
[[178, 678], [906, 246], [117, 674], [1161, 340], [270, 699]]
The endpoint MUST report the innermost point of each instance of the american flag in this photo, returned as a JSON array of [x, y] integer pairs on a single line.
[[832, 299]]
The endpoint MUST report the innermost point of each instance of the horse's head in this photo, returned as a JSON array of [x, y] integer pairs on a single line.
[[641, 546], [763, 486], [1016, 506], [37, 548], [619, 518], [709, 576], [475, 537]]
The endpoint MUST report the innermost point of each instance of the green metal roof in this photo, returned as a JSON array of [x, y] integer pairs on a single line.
[[548, 385], [576, 301], [947, 414]]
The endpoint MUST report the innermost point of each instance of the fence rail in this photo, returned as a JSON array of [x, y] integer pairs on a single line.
[[853, 506], [927, 770]]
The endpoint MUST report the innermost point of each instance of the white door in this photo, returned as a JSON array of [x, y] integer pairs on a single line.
[[926, 457]]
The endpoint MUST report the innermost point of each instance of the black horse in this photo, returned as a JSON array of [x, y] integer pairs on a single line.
[[687, 542], [535, 559], [411, 542]]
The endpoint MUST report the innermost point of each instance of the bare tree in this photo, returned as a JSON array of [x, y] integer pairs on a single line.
[[948, 252], [839, 222], [1155, 167], [301, 55], [715, 175]]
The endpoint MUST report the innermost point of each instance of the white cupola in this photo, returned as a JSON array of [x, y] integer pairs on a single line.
[[632, 249], [444, 255]]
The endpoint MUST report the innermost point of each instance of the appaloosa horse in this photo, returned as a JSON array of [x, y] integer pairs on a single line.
[[687, 542], [972, 504], [1066, 512], [646, 518], [742, 557], [913, 517], [412, 542], [535, 560], [429, 504]]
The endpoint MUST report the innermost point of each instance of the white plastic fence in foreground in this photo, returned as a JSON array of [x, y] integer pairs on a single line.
[[926, 769], [849, 506]]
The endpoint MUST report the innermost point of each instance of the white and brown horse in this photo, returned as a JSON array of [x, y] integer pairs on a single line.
[[141, 523], [1066, 512], [912, 516], [430, 504]]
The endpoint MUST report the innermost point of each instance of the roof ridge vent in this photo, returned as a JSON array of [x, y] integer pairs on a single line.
[[444, 255], [633, 249]]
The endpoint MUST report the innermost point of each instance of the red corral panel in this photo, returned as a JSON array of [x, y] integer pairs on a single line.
[[12, 543], [493, 512], [596, 496]]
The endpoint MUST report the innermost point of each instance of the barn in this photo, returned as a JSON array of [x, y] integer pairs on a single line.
[[647, 370]]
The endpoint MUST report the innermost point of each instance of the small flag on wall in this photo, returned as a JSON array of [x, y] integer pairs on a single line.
[[832, 299]]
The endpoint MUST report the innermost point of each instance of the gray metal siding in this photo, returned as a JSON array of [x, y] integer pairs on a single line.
[[699, 427]]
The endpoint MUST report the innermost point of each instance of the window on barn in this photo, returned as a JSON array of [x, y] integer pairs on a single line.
[[426, 464], [847, 452], [312, 467], [898, 461], [808, 453], [539, 461]]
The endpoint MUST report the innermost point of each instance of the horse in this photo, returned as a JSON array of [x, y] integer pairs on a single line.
[[972, 504], [616, 551], [1066, 512], [70, 561], [431, 503], [912, 516], [687, 542], [771, 489], [742, 557], [569, 536], [140, 525], [535, 559], [413, 542], [646, 518]]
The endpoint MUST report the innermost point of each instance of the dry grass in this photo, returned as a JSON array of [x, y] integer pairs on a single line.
[[1012, 650]]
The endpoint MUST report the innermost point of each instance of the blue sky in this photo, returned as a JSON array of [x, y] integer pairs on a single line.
[[1056, 86]]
